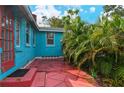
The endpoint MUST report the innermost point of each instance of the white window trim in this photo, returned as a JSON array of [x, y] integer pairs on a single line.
[[50, 45], [19, 36], [28, 45]]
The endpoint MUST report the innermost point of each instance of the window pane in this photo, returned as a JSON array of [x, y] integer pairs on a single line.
[[7, 45], [3, 23], [2, 34], [50, 35], [50, 41], [3, 44], [34, 38], [27, 38], [10, 35], [10, 45], [17, 33], [17, 38], [7, 22], [27, 34], [50, 38], [7, 35], [10, 24]]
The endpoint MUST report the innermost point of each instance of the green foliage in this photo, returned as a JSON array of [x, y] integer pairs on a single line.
[[93, 72], [117, 76], [105, 68], [55, 22], [105, 63], [114, 10], [95, 46], [121, 58]]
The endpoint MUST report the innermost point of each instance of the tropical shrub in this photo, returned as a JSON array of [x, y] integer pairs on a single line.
[[95, 47], [118, 76], [105, 68], [105, 63]]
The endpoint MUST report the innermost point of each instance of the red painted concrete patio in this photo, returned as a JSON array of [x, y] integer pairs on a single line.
[[53, 73], [56, 73]]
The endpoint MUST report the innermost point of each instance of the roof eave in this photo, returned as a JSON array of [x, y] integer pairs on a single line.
[[26, 11], [51, 29]]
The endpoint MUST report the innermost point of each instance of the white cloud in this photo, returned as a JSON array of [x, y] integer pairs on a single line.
[[48, 11], [92, 9], [81, 10], [65, 13]]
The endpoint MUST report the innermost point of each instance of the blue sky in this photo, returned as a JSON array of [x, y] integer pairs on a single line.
[[88, 13]]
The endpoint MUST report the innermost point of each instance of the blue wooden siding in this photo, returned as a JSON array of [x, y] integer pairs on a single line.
[[24, 54], [43, 50], [0, 50]]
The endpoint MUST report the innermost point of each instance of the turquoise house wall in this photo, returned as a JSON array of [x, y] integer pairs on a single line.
[[23, 54], [48, 51]]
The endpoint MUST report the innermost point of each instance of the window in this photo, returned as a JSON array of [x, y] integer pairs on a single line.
[[17, 33], [34, 38], [27, 35], [3, 23], [50, 38]]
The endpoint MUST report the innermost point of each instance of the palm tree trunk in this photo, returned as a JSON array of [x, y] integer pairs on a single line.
[[94, 55]]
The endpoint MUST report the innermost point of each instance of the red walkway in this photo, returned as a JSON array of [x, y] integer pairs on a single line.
[[55, 73]]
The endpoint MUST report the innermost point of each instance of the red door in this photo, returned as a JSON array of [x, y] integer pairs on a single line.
[[6, 38]]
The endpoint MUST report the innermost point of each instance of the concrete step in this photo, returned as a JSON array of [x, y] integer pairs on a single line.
[[39, 79], [24, 81]]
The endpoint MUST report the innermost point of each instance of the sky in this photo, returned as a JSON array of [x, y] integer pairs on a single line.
[[88, 13]]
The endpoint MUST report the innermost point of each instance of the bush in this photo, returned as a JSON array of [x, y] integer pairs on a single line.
[[94, 47], [104, 63], [105, 68], [118, 76]]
